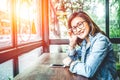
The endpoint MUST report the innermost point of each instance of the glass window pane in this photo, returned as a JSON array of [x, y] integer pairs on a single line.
[[58, 48], [29, 58], [6, 70], [57, 20], [114, 18], [60, 10], [5, 24], [28, 20], [96, 10], [117, 51]]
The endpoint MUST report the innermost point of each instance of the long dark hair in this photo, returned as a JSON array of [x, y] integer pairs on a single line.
[[93, 27]]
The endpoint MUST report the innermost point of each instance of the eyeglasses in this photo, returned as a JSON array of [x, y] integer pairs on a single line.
[[79, 25]]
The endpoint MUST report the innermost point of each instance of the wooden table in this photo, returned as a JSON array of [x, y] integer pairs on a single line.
[[41, 70]]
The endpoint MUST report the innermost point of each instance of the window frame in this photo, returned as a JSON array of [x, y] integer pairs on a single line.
[[14, 51]]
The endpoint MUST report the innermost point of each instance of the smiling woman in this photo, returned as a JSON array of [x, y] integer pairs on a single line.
[[94, 57], [80, 26]]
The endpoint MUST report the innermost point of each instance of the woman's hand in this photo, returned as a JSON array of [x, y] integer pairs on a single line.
[[72, 39], [67, 61]]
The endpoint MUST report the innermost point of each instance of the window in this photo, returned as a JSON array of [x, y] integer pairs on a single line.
[[28, 21], [57, 20], [20, 22], [6, 70], [5, 24], [20, 31], [114, 9], [61, 10], [96, 10]]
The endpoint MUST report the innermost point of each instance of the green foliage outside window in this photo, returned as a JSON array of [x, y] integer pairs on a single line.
[[114, 18]]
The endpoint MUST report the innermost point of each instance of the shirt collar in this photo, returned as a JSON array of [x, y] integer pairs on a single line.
[[84, 41]]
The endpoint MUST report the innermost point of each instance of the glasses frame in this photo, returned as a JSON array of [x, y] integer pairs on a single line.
[[79, 25]]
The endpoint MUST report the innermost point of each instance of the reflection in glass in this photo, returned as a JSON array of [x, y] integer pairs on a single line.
[[28, 19], [5, 25]]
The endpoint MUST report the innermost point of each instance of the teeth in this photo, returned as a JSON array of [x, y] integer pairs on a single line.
[[81, 30]]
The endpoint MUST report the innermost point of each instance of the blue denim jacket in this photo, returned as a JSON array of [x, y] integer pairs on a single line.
[[96, 61]]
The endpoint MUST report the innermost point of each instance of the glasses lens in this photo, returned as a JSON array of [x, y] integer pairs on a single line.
[[79, 25]]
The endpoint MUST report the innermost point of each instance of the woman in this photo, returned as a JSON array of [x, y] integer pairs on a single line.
[[90, 51]]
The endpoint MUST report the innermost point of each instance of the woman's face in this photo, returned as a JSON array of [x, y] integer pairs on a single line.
[[80, 27]]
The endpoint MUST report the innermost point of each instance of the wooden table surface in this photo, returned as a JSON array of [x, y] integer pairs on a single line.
[[41, 70]]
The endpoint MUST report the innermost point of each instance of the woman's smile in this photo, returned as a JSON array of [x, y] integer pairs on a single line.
[[80, 27]]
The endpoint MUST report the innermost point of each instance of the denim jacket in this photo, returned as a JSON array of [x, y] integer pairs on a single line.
[[95, 61]]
